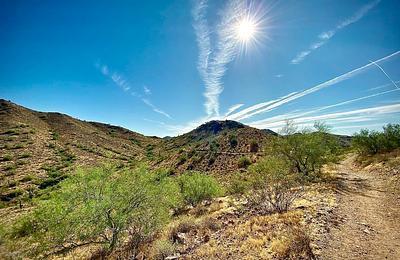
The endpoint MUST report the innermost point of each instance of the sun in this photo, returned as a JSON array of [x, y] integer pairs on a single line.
[[246, 30]]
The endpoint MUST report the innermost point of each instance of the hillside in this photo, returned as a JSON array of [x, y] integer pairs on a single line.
[[38, 149], [215, 146]]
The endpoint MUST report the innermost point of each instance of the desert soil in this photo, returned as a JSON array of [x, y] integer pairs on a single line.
[[367, 220]]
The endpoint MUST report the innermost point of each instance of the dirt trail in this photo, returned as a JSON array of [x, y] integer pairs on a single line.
[[367, 222]]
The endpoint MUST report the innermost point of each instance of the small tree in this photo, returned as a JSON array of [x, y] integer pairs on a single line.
[[273, 185], [307, 151], [96, 206]]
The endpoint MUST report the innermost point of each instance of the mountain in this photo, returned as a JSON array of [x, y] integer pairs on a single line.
[[215, 146], [38, 149]]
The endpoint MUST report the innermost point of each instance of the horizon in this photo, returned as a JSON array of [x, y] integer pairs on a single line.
[[162, 68]]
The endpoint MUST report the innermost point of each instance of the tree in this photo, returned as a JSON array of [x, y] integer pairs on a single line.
[[97, 206], [306, 150]]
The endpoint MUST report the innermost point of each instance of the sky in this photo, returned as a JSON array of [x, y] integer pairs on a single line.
[[164, 67]]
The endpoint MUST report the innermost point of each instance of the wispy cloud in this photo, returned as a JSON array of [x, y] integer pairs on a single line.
[[325, 36], [233, 109], [384, 72], [121, 82], [365, 114], [213, 60], [146, 90], [155, 109], [268, 106], [294, 115]]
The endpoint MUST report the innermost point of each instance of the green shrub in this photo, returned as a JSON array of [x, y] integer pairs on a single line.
[[161, 249], [306, 151], [196, 187], [96, 205], [24, 155], [7, 157], [233, 142], [273, 185], [244, 162], [238, 184], [372, 142]]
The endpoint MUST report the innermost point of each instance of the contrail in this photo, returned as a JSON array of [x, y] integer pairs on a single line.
[[384, 72]]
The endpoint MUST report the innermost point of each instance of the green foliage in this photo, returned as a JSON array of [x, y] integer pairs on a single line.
[[273, 183], [98, 205], [196, 187], [306, 151], [24, 155], [254, 146], [372, 142], [233, 142], [238, 183], [55, 136], [244, 162], [7, 157]]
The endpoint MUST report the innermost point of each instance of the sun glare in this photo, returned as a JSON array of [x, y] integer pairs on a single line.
[[246, 30]]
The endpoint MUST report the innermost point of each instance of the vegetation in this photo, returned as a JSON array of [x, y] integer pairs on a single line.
[[96, 206], [373, 142], [244, 162], [307, 151], [196, 187], [233, 142], [273, 185]]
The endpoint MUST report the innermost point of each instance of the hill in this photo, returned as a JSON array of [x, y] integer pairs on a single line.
[[38, 149]]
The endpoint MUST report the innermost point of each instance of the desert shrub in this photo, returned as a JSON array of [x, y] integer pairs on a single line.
[[306, 150], [238, 184], [373, 142], [254, 146], [95, 206], [244, 162], [182, 158], [161, 249], [24, 155], [183, 225], [233, 142], [292, 244], [7, 157], [273, 185], [196, 187]]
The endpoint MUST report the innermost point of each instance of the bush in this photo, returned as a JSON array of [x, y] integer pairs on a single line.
[[196, 187], [373, 142], [233, 141], [273, 185], [161, 249], [7, 157], [254, 146], [96, 206], [307, 151], [244, 162], [238, 184]]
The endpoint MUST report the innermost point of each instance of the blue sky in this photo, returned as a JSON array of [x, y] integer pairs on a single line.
[[164, 67]]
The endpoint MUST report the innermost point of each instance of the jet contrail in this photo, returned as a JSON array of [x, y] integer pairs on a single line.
[[384, 72]]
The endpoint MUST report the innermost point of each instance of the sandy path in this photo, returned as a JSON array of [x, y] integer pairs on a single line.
[[368, 218]]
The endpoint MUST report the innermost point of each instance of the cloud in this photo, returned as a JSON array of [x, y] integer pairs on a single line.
[[267, 106], [384, 72], [278, 75], [365, 114], [121, 82], [233, 109], [325, 36], [155, 109], [146, 90], [212, 62]]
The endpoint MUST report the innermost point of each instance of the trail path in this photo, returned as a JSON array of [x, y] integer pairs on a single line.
[[367, 220]]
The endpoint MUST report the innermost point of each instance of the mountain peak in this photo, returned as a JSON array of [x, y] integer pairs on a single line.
[[216, 126]]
